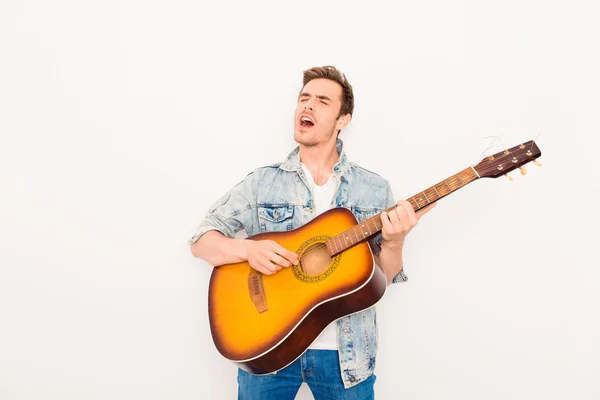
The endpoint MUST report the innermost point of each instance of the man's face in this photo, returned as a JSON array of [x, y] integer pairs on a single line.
[[316, 117]]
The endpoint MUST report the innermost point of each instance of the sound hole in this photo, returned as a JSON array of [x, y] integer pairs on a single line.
[[315, 259]]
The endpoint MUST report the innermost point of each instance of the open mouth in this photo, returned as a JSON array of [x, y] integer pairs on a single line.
[[306, 122]]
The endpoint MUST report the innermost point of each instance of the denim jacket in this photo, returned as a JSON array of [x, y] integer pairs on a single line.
[[277, 198]]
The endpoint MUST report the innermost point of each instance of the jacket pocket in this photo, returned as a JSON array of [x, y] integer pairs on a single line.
[[364, 213], [275, 218]]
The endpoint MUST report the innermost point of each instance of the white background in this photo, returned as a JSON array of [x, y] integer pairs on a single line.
[[121, 122]]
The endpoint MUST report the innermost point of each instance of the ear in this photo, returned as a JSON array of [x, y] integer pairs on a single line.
[[343, 121]]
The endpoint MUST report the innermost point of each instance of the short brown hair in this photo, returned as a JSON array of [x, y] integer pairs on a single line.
[[333, 74]]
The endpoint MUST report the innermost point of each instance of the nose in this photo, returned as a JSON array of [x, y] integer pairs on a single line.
[[309, 105]]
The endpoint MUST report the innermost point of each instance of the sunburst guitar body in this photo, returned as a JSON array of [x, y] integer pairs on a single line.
[[300, 300]]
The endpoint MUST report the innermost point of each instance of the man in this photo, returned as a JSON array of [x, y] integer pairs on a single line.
[[313, 178]]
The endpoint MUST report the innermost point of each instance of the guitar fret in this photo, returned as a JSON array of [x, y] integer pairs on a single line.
[[363, 225], [446, 182], [442, 189], [433, 194], [371, 221], [414, 206], [438, 193], [416, 202], [377, 222], [420, 200], [426, 198], [458, 175], [453, 182]]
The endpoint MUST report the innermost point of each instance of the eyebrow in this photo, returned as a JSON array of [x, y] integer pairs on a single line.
[[319, 96]]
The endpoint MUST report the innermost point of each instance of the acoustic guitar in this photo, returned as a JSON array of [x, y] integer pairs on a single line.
[[265, 322]]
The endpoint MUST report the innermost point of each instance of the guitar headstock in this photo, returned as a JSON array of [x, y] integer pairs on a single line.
[[510, 159]]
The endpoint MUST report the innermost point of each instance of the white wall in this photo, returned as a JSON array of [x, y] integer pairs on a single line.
[[122, 121]]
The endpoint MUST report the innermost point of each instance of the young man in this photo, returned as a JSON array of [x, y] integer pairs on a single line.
[[313, 178]]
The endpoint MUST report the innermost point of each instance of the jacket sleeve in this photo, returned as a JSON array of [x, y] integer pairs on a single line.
[[231, 213]]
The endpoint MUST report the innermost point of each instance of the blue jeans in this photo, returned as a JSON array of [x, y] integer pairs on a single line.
[[320, 369]]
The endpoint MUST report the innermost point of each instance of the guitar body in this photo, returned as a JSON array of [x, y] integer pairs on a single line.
[[300, 300]]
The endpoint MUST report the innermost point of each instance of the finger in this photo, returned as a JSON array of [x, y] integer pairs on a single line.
[[287, 254], [277, 266], [277, 259], [395, 219], [268, 265], [425, 210], [410, 212], [411, 216], [387, 226], [265, 271], [257, 266], [385, 220], [399, 219]]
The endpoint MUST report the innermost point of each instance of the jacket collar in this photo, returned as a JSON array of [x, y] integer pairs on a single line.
[[292, 162]]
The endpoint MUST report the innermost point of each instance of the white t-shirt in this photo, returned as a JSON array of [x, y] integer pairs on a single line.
[[323, 196]]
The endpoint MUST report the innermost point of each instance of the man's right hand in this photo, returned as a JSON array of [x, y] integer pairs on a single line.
[[268, 257]]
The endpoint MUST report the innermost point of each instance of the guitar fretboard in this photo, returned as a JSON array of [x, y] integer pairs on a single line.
[[371, 226]]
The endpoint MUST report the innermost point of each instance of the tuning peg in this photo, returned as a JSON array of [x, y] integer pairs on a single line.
[[536, 162], [523, 170], [508, 176]]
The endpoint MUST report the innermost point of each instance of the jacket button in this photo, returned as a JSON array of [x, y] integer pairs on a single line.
[[346, 330], [276, 214], [352, 378]]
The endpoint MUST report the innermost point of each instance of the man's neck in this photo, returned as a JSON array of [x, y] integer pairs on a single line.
[[319, 160]]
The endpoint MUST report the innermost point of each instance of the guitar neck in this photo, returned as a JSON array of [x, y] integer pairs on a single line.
[[372, 226]]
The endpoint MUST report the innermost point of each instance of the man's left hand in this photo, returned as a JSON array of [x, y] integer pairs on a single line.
[[398, 222]]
